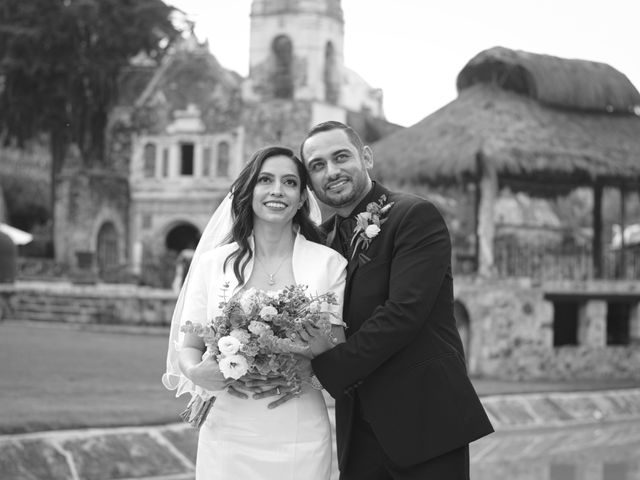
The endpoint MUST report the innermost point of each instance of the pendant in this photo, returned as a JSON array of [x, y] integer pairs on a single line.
[[271, 279]]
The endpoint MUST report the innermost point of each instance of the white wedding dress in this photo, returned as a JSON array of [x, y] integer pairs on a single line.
[[244, 440]]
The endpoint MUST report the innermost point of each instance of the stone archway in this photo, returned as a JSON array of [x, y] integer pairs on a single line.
[[182, 237], [180, 243], [107, 248], [463, 322]]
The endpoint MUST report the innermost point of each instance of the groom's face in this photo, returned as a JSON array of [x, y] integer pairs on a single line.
[[337, 170]]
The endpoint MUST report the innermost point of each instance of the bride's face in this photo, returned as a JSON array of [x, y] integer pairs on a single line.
[[276, 196]]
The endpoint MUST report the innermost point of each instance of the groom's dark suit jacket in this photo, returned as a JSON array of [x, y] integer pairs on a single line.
[[403, 359]]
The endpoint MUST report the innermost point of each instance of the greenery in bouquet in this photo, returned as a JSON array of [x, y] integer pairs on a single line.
[[255, 332]]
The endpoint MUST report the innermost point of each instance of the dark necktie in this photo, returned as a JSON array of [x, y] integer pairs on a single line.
[[345, 234]]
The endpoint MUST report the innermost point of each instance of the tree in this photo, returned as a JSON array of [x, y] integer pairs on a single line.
[[59, 66]]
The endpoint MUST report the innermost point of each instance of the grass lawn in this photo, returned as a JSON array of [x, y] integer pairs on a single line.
[[55, 376], [58, 377]]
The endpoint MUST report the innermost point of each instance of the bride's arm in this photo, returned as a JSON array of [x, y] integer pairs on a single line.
[[205, 372]]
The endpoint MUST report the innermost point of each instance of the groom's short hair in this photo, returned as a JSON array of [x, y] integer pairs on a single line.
[[353, 136]]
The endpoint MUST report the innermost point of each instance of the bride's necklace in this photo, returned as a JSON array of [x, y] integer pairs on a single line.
[[272, 276]]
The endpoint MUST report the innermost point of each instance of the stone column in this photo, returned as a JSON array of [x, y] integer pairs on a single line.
[[488, 186], [592, 324]]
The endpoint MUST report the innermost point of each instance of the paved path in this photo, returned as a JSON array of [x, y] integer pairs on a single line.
[[168, 452]]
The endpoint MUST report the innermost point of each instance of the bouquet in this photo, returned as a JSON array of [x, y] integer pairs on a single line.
[[255, 332]]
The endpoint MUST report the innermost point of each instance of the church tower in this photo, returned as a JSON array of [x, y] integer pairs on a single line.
[[296, 51]]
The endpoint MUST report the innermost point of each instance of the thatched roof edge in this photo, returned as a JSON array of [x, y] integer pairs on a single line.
[[523, 140], [560, 82]]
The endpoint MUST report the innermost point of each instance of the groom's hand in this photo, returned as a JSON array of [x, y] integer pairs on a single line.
[[283, 399], [285, 392], [277, 387], [258, 384], [288, 392]]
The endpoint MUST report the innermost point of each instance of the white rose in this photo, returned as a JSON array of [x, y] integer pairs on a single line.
[[256, 327], [268, 311], [325, 307], [233, 366], [228, 345], [372, 231]]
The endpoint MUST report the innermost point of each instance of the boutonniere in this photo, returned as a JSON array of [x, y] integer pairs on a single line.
[[369, 223]]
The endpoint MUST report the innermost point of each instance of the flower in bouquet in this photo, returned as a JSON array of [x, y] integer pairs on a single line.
[[229, 345], [233, 366], [254, 330]]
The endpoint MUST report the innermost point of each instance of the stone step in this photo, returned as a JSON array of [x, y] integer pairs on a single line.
[[97, 454], [168, 452]]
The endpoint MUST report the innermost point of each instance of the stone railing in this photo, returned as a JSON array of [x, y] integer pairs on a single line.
[[552, 263]]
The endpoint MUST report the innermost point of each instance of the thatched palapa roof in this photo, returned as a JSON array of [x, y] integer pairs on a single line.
[[508, 113], [557, 82]]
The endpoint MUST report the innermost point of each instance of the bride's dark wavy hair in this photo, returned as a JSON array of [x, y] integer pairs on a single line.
[[242, 210]]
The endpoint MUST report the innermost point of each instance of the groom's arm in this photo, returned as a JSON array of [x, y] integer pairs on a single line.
[[421, 259]]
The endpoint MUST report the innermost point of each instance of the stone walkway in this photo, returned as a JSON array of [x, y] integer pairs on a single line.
[[168, 452]]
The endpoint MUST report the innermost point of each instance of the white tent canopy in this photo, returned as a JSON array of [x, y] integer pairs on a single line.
[[17, 236]]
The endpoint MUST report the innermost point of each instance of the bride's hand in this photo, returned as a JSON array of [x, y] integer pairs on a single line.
[[207, 375]]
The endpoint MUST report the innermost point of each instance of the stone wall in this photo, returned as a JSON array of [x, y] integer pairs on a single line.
[[511, 330], [81, 304], [510, 334], [85, 200], [280, 122]]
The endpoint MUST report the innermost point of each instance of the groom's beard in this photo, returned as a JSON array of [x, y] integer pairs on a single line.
[[348, 195]]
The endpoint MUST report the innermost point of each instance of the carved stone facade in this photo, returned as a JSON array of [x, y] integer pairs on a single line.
[[193, 124], [182, 131]]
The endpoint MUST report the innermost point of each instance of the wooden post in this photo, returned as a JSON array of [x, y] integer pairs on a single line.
[[3, 207], [597, 231], [621, 260], [476, 225], [486, 227]]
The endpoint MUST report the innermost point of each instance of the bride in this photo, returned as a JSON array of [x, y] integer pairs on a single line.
[[261, 237]]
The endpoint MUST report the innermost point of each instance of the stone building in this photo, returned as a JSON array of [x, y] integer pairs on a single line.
[[182, 131]]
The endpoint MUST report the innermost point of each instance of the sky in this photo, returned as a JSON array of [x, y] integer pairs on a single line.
[[414, 49]]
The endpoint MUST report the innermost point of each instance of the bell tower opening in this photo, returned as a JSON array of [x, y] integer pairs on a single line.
[[296, 50], [331, 76], [282, 48]]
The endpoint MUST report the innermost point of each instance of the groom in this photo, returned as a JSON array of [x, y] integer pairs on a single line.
[[405, 408]]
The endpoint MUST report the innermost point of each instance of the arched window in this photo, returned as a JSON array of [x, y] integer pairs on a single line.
[[223, 160], [107, 247], [283, 72], [149, 160], [331, 77], [206, 162]]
